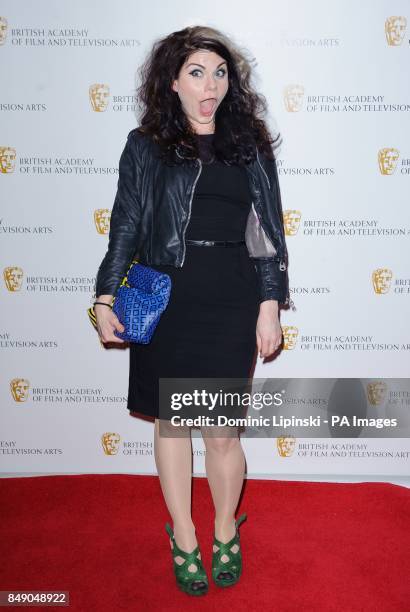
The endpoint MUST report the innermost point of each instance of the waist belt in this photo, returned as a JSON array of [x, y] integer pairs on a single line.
[[224, 243]]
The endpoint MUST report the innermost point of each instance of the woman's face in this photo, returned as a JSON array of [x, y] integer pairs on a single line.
[[201, 86]]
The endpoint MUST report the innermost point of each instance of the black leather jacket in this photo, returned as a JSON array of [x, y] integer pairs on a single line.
[[152, 208]]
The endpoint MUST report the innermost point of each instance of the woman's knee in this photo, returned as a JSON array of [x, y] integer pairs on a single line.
[[220, 440], [165, 429]]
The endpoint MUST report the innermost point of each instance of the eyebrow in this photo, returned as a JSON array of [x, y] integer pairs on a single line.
[[195, 64]]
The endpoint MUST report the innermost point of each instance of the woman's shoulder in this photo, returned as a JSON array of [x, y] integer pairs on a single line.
[[141, 144], [138, 137]]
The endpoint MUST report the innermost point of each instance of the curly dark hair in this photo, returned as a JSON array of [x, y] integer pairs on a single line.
[[239, 125]]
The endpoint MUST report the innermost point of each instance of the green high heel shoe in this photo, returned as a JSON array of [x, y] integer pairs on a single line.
[[193, 582], [227, 559]]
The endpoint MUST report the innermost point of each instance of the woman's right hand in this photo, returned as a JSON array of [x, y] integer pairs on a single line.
[[107, 321]]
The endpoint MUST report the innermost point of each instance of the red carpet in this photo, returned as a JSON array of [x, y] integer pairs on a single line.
[[306, 546]]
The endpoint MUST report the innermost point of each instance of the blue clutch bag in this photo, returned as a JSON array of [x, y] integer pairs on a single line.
[[140, 300]]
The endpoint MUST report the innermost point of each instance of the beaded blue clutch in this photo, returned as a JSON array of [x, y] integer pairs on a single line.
[[140, 300]]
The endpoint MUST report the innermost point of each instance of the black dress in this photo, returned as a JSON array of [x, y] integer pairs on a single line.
[[209, 326]]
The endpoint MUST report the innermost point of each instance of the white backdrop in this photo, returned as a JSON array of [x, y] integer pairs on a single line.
[[335, 75]]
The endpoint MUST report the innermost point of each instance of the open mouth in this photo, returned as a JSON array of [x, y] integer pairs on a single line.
[[208, 106]]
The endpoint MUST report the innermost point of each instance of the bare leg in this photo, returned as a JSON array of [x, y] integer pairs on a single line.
[[225, 469], [173, 458]]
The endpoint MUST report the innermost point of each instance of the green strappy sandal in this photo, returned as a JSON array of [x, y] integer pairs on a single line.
[[227, 559], [192, 582]]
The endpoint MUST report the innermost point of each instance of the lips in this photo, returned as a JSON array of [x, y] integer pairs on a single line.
[[208, 106]]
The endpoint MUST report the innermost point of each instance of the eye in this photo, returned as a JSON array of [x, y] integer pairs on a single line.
[[222, 70], [195, 70]]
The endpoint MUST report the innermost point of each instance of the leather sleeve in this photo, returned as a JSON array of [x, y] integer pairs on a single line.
[[124, 223], [273, 281]]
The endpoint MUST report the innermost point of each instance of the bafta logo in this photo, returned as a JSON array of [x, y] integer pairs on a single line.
[[376, 392], [102, 218], [7, 160], [387, 159], [290, 336], [110, 443], [99, 97], [293, 98], [285, 445], [19, 388], [395, 28], [13, 277], [3, 30], [381, 279], [291, 220]]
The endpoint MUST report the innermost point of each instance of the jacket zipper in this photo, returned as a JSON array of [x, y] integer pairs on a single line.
[[282, 263], [189, 210], [262, 168]]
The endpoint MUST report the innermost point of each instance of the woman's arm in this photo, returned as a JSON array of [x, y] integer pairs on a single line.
[[270, 267], [122, 241], [124, 222], [272, 272], [268, 329]]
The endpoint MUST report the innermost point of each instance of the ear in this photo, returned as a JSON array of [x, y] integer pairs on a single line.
[[175, 85]]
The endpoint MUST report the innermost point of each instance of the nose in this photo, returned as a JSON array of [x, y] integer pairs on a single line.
[[210, 84]]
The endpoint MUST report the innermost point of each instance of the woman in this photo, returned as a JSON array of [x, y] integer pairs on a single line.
[[198, 198]]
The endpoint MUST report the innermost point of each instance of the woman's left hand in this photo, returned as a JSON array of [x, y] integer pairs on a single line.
[[268, 329]]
